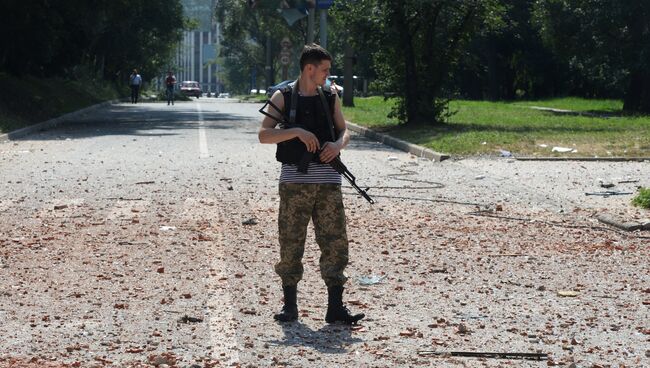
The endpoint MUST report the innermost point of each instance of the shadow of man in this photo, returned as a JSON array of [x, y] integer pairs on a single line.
[[331, 339]]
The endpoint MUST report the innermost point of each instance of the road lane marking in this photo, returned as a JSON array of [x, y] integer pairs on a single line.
[[203, 141], [221, 322]]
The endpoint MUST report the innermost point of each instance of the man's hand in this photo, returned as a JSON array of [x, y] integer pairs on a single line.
[[335, 87], [309, 139], [329, 152]]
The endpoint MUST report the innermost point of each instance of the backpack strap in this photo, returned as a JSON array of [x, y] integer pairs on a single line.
[[294, 102], [328, 113]]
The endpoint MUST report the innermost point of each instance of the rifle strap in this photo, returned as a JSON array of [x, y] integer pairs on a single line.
[[328, 113]]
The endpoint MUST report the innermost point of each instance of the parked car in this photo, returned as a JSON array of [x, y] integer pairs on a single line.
[[191, 88], [224, 95], [271, 90]]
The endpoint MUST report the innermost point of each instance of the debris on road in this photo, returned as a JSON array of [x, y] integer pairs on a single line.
[[563, 150], [607, 193], [478, 354], [622, 224], [370, 280], [188, 319], [567, 293]]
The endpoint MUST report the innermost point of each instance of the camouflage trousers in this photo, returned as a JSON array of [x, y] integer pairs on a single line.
[[323, 204]]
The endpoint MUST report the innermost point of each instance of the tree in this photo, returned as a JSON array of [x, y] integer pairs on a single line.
[[417, 45], [606, 44], [54, 37], [509, 60], [250, 30]]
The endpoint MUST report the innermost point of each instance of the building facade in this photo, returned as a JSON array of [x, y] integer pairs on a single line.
[[196, 55]]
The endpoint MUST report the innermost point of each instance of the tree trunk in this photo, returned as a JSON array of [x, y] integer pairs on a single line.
[[269, 62], [637, 96], [410, 70], [493, 79]]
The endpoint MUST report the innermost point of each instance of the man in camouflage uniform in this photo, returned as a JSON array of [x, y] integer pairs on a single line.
[[313, 191]]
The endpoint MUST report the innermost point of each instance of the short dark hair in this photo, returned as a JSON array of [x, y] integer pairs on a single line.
[[313, 54]]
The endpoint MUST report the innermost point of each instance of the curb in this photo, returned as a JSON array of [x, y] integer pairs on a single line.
[[6, 137], [397, 143]]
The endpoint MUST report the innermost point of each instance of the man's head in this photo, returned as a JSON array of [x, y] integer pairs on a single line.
[[315, 63]]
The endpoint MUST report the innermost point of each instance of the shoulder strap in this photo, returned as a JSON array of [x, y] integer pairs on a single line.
[[328, 113], [294, 102]]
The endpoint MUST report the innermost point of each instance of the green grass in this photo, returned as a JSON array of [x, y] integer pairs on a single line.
[[28, 100], [642, 199], [481, 127], [251, 98]]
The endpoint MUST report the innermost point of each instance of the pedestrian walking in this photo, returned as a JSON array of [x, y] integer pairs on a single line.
[[135, 82], [315, 194], [170, 82]]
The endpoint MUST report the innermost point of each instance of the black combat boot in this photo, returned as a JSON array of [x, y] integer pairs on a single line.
[[290, 310], [336, 311]]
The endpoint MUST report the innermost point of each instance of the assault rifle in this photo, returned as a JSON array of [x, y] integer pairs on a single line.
[[303, 165]]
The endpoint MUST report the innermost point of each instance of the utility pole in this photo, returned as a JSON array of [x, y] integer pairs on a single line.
[[323, 28], [310, 25]]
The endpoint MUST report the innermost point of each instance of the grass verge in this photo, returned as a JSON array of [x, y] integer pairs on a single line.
[[28, 100], [481, 127], [642, 199], [251, 98]]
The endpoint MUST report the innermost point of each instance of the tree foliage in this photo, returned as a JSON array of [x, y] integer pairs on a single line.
[[509, 60], [417, 45], [605, 43], [247, 29], [111, 37]]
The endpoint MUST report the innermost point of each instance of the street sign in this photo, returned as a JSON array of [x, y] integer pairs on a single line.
[[285, 60]]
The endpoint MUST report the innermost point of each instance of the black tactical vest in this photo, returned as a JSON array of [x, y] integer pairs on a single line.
[[310, 115]]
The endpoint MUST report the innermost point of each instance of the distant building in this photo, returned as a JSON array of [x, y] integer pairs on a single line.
[[197, 52]]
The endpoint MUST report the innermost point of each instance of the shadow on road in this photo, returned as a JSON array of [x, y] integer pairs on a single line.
[[331, 339], [140, 120]]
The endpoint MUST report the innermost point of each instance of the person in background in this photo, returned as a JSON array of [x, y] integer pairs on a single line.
[[170, 82], [135, 82]]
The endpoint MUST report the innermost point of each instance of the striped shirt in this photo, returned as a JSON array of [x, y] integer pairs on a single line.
[[316, 174]]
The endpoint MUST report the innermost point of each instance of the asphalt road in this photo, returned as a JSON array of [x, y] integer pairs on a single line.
[[124, 144], [146, 233]]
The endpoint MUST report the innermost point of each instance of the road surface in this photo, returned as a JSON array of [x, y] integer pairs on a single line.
[[143, 235]]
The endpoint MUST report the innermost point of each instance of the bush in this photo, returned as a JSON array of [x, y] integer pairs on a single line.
[[643, 198]]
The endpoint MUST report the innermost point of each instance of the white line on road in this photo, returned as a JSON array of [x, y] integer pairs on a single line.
[[203, 142], [221, 320]]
